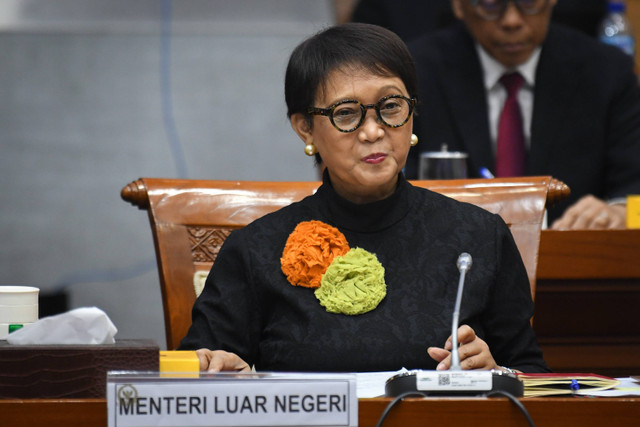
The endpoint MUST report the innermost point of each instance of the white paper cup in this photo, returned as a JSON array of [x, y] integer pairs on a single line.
[[18, 313], [18, 307], [18, 295]]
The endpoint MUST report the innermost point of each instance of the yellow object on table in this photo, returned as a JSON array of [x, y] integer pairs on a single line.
[[179, 361], [633, 211]]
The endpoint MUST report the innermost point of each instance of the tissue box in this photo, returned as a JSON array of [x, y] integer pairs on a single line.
[[70, 371]]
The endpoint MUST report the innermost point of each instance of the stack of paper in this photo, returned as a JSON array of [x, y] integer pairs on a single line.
[[557, 384]]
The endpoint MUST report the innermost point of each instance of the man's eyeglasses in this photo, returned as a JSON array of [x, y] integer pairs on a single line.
[[493, 9], [348, 114]]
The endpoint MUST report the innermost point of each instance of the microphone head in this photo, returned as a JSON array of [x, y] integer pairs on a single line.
[[464, 262]]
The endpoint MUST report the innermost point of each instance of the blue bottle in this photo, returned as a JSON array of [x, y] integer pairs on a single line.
[[615, 28]]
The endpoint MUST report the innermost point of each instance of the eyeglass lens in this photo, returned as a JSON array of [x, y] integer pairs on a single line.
[[493, 9], [393, 111]]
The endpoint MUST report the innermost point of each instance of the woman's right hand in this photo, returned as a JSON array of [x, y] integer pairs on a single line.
[[220, 360]]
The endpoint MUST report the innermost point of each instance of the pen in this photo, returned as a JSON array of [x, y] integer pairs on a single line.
[[574, 385], [485, 173]]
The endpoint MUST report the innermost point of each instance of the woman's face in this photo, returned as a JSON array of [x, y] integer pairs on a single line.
[[363, 164]]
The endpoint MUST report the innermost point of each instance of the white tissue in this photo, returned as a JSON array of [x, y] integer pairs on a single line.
[[86, 325]]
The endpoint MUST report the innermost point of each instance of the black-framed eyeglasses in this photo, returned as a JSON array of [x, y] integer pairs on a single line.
[[348, 114], [493, 9]]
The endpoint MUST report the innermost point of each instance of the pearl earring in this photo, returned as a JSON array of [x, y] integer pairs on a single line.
[[414, 140], [310, 149]]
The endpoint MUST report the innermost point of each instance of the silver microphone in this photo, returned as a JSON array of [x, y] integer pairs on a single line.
[[464, 264]]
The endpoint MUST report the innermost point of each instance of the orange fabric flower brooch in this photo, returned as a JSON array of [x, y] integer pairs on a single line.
[[347, 281]]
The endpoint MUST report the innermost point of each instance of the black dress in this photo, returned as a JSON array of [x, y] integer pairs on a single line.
[[249, 307]]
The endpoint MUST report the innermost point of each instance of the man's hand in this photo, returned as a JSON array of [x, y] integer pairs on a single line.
[[591, 213]]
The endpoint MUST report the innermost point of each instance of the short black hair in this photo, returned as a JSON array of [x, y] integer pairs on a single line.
[[370, 47]]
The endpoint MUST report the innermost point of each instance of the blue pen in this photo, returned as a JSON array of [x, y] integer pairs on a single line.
[[485, 173], [574, 385]]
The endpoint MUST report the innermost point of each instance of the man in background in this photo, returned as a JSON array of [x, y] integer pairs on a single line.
[[574, 102], [412, 18]]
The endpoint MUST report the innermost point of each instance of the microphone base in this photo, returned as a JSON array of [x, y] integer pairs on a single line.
[[472, 383]]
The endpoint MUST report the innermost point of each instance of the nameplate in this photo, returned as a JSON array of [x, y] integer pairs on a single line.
[[454, 380], [231, 399]]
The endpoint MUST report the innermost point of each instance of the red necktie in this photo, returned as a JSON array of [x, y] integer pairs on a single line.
[[511, 152]]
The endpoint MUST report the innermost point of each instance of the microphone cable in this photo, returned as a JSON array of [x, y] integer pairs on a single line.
[[393, 403], [401, 396]]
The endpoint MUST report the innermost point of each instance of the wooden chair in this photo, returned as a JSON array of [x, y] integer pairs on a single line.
[[190, 219]]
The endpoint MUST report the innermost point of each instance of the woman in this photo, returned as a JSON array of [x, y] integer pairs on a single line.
[[362, 275]]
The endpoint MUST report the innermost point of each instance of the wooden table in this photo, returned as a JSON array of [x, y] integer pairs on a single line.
[[587, 301], [411, 412]]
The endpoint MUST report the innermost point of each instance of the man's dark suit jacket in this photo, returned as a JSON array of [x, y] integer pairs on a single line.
[[585, 127]]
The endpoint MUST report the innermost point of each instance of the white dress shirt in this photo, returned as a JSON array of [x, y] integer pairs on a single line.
[[497, 94]]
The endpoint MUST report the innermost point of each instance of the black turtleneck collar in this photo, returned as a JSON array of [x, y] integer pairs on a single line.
[[366, 217]]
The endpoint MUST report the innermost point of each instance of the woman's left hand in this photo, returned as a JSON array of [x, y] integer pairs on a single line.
[[474, 352]]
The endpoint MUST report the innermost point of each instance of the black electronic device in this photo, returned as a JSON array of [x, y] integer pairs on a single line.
[[413, 381]]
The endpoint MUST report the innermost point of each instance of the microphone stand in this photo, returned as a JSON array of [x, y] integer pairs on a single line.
[[464, 264]]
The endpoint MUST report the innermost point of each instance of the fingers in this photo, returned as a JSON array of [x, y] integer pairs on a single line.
[[578, 215], [473, 351], [617, 216], [204, 355], [465, 335], [220, 360], [591, 213], [441, 356], [476, 355]]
